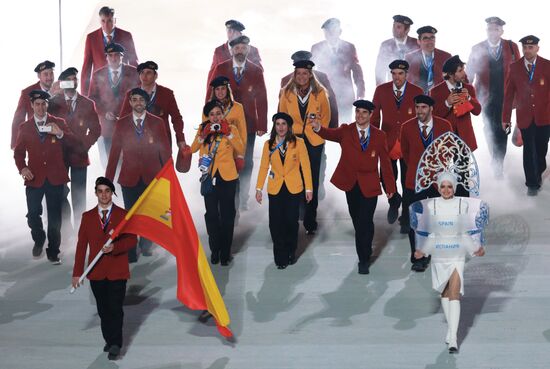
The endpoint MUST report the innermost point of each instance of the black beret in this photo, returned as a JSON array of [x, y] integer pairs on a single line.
[[282, 115], [399, 64], [424, 99], [402, 19], [147, 65], [331, 22], [105, 182], [219, 81], [495, 20], [239, 40], [140, 92], [426, 29], [364, 104], [530, 40], [211, 105], [452, 64], [46, 64], [301, 55], [39, 94], [113, 47], [306, 64], [72, 71], [235, 24]]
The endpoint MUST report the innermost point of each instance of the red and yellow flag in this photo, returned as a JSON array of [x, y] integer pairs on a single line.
[[162, 216]]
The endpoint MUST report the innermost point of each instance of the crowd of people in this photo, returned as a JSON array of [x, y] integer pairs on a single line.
[[422, 92]]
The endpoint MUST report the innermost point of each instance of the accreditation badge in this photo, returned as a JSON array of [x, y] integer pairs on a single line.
[[53, 140], [541, 82], [271, 175], [373, 154], [150, 139], [250, 89]]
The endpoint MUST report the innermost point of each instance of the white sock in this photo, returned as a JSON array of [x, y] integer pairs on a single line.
[[454, 319], [445, 308]]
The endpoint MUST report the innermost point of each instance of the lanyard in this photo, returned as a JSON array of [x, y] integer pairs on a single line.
[[532, 72], [400, 99], [276, 147], [365, 143], [107, 219]]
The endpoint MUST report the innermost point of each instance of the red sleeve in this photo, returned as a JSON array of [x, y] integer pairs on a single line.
[[474, 101], [385, 165], [332, 134], [509, 94], [404, 144], [81, 247], [126, 108], [261, 104], [176, 118], [85, 74], [20, 152], [123, 243], [114, 154], [375, 118], [131, 51]]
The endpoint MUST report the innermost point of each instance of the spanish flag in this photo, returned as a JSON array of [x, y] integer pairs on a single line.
[[162, 216]]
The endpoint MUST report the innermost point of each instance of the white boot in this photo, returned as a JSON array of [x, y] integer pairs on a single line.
[[454, 319], [445, 308]]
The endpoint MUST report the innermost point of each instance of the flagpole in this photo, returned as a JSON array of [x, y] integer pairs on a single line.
[[93, 263]]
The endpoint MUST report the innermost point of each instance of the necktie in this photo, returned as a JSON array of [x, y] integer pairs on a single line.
[[529, 67], [425, 131], [115, 77], [363, 138], [104, 216], [69, 105], [494, 51], [239, 72], [109, 39], [398, 94], [139, 124]]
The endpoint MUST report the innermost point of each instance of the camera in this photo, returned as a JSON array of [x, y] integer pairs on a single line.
[[312, 116], [215, 127], [458, 88], [66, 84], [44, 129]]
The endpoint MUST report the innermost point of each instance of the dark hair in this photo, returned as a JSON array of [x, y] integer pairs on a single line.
[[229, 95], [289, 138], [106, 11], [447, 75]]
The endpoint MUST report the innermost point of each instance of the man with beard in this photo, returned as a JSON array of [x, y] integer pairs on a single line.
[[96, 42], [426, 63], [338, 59], [488, 67], [528, 86], [248, 87], [44, 72], [416, 135], [80, 115], [162, 102], [394, 48], [141, 139]]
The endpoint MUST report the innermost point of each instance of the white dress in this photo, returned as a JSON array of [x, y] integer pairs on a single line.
[[448, 231]]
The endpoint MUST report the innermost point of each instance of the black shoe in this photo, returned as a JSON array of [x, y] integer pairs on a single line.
[[393, 212], [114, 351], [310, 232], [453, 350], [205, 315], [55, 260], [226, 262], [532, 191], [404, 229], [215, 258], [37, 251], [106, 347], [363, 268], [419, 266], [292, 259], [282, 266], [146, 253]]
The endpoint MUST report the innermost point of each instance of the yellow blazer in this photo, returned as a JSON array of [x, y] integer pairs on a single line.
[[295, 158], [224, 161], [235, 116], [318, 105]]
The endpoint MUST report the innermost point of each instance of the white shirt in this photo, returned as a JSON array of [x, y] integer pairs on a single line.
[[44, 121], [527, 63], [100, 209], [424, 58], [304, 99], [73, 99], [112, 34], [118, 70], [366, 130], [491, 45], [402, 89], [237, 65], [430, 125], [136, 117]]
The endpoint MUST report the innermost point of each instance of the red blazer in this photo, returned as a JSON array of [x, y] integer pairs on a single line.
[[142, 157], [340, 68], [108, 99], [23, 112], [164, 106], [358, 166], [44, 159], [83, 123], [222, 53], [388, 52], [532, 99], [412, 146], [478, 66], [250, 92], [388, 114], [94, 54], [111, 266], [415, 62], [323, 79], [461, 126]]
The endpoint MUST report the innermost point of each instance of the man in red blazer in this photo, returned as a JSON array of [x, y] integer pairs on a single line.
[[162, 102], [143, 142], [394, 48], [80, 115], [39, 158], [45, 74], [107, 89], [416, 135], [528, 84], [108, 277], [394, 104], [234, 29], [488, 67], [96, 41], [426, 63], [338, 59], [363, 149], [248, 87], [449, 96], [323, 79]]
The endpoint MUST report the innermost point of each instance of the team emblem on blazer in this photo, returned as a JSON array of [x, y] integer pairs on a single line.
[[410, 111], [150, 139], [161, 113], [53, 140], [541, 82], [250, 89], [373, 154]]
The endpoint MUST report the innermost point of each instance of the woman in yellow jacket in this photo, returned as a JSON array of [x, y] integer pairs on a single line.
[[305, 100], [217, 143], [285, 157]]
